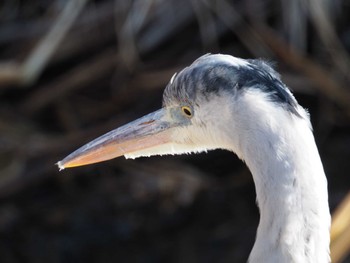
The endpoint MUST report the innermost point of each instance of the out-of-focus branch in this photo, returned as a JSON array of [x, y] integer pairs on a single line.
[[73, 80], [27, 72], [317, 74], [340, 231], [325, 29], [232, 18]]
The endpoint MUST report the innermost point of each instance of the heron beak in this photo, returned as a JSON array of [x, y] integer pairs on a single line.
[[133, 139]]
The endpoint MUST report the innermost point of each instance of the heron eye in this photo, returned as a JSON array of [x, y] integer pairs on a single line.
[[187, 111]]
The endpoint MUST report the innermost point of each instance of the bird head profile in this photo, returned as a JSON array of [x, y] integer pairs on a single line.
[[203, 109], [240, 105]]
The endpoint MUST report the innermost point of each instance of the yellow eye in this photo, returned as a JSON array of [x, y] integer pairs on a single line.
[[187, 111]]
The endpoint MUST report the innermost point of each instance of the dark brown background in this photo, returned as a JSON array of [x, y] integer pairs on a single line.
[[110, 68]]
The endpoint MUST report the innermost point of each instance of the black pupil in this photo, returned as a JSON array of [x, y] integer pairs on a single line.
[[187, 112]]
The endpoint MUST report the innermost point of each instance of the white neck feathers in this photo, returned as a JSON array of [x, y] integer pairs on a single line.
[[290, 184]]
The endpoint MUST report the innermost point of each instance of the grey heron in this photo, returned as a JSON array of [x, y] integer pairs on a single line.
[[240, 105]]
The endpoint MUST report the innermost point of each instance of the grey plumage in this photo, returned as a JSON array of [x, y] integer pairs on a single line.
[[208, 75]]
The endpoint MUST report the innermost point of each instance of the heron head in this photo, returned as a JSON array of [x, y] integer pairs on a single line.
[[199, 105]]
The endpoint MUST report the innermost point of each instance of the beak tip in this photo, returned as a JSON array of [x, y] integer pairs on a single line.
[[60, 166]]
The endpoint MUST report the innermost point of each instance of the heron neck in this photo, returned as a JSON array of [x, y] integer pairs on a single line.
[[291, 190]]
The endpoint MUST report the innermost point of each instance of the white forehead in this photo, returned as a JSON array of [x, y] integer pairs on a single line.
[[237, 62]]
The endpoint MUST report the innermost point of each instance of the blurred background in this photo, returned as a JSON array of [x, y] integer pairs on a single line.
[[71, 70]]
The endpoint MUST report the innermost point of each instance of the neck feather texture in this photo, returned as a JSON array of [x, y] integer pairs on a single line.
[[291, 189]]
